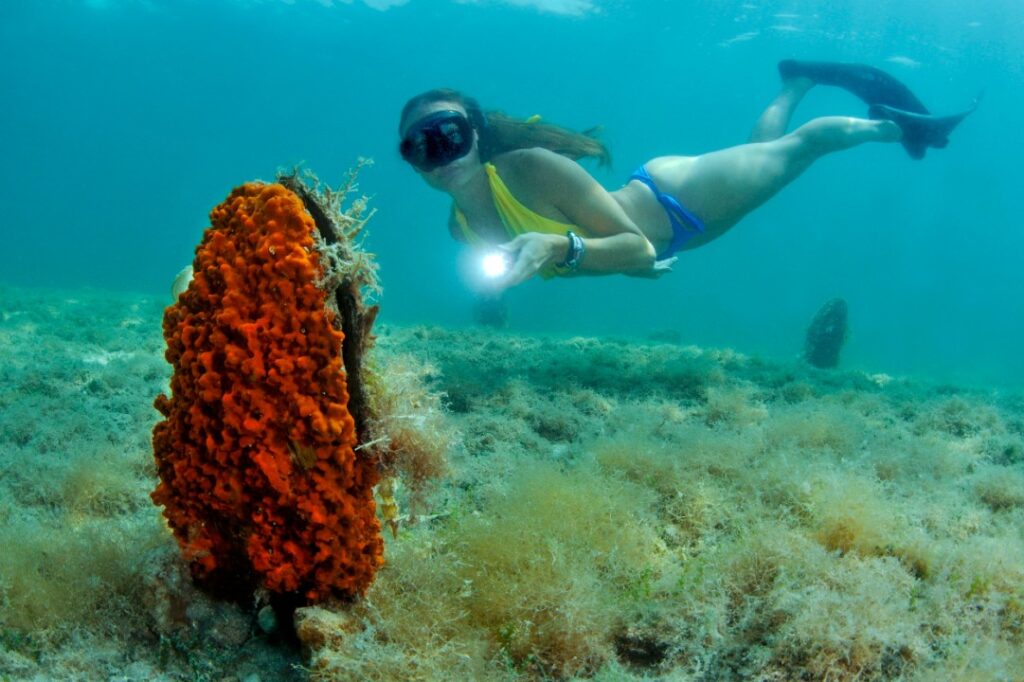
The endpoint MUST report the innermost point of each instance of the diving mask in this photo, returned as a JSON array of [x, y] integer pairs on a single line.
[[436, 140]]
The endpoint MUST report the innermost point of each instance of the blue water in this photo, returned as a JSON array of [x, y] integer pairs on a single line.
[[125, 121]]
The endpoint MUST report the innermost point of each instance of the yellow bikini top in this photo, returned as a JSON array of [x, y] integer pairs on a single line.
[[516, 218]]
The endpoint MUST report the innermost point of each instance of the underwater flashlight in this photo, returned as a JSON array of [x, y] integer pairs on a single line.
[[495, 264]]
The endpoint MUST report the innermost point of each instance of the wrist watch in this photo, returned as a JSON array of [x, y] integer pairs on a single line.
[[574, 255]]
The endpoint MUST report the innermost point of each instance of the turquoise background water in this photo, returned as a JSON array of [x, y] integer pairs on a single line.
[[125, 121]]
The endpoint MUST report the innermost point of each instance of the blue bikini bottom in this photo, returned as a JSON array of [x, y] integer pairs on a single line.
[[685, 225]]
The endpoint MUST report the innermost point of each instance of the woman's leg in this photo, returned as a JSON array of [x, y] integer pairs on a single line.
[[773, 122], [725, 185]]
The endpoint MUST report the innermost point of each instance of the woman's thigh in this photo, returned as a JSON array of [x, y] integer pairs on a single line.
[[723, 186]]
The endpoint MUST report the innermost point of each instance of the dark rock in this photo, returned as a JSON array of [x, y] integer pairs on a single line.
[[826, 335]]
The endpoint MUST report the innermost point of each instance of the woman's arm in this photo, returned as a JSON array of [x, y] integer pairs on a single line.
[[550, 179]]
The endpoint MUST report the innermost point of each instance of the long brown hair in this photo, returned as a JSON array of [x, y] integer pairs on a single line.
[[501, 133]]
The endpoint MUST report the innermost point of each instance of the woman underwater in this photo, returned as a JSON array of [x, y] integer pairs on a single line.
[[516, 184]]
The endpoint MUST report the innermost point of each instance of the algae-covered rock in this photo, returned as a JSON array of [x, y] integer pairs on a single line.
[[826, 335]]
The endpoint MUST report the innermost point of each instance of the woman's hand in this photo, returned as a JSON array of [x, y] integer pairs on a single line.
[[529, 253]]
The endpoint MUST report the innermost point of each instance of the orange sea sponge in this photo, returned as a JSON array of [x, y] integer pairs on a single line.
[[259, 476]]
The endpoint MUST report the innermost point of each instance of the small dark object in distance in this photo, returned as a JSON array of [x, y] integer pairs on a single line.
[[826, 335], [491, 310]]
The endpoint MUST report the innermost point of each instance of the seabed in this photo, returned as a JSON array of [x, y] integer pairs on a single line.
[[613, 509]]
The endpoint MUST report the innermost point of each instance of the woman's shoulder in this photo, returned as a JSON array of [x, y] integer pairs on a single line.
[[527, 158], [534, 167]]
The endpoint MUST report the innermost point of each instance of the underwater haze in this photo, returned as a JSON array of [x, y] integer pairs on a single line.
[[126, 121], [633, 480]]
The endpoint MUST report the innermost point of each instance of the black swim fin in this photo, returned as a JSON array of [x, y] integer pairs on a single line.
[[886, 97], [871, 85], [921, 131]]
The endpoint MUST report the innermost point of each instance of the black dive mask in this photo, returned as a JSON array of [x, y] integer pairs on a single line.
[[437, 140]]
